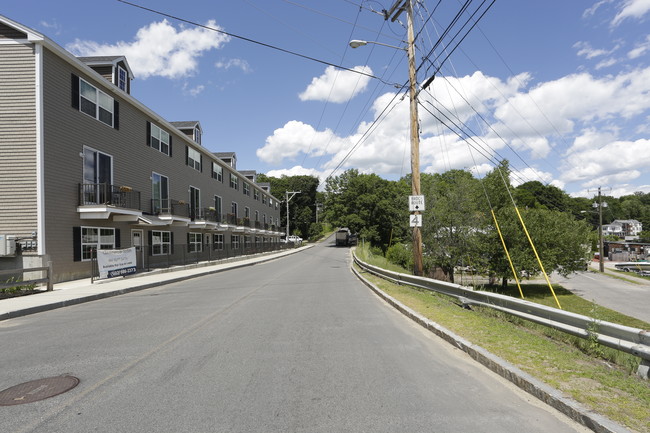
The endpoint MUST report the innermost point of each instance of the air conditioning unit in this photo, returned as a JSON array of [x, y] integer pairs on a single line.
[[7, 245]]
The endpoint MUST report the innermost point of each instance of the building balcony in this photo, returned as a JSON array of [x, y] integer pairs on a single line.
[[176, 212], [105, 201]]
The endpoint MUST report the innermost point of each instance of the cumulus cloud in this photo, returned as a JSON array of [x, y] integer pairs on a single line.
[[159, 49], [572, 124], [631, 9], [296, 137], [616, 161], [337, 85]]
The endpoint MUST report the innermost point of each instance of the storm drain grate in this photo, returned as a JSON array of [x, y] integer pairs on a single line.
[[37, 390]]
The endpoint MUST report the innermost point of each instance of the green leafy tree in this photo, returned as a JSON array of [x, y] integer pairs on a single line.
[[373, 207], [302, 207], [452, 220]]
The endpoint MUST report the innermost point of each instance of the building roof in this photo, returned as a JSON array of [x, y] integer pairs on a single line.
[[187, 124], [106, 60]]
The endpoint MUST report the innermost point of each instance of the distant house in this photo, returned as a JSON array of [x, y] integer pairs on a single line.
[[86, 166], [623, 228]]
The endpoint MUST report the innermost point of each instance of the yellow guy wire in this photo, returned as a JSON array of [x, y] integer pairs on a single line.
[[505, 248], [550, 286]]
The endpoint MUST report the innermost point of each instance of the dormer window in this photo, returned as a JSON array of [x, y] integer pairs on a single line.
[[122, 78], [197, 135]]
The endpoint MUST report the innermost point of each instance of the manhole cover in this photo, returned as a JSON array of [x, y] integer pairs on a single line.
[[37, 390]]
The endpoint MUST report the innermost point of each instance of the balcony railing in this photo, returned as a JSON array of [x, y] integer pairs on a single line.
[[109, 195], [170, 207]]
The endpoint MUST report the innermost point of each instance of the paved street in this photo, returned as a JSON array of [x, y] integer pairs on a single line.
[[619, 295], [296, 344]]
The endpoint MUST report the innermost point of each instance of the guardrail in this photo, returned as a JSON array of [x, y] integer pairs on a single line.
[[47, 280], [635, 341]]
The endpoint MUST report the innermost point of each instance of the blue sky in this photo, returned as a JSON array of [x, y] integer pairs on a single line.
[[561, 89]]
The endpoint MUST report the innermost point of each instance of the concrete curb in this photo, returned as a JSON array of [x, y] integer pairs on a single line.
[[232, 264], [547, 394]]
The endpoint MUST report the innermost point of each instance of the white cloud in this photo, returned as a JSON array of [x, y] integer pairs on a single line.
[[631, 9], [297, 170], [296, 137], [234, 63], [613, 162], [528, 174], [193, 91], [159, 49], [585, 50], [337, 85], [640, 49]]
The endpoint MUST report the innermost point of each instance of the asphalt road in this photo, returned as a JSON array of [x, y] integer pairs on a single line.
[[616, 294], [292, 345]]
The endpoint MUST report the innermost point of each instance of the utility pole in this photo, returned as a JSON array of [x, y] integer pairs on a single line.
[[288, 199], [398, 7], [600, 233]]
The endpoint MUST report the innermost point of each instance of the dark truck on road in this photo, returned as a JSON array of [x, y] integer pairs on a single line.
[[343, 237]]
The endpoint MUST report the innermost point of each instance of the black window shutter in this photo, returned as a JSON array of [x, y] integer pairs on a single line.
[[171, 240], [201, 163], [187, 155], [188, 242], [76, 243], [74, 84], [116, 114], [150, 240], [148, 134], [118, 240], [170, 145]]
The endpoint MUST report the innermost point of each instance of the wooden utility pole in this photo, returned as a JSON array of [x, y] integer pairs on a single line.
[[398, 7], [288, 199], [601, 250]]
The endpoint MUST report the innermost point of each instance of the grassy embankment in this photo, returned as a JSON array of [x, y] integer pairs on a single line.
[[602, 379]]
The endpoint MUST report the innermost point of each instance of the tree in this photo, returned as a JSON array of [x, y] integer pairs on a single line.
[[373, 207], [452, 220], [302, 208]]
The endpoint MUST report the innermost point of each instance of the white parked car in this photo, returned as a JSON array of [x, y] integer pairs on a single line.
[[295, 239]]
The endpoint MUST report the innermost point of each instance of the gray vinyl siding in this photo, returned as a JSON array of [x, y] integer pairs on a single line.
[[68, 130], [7, 32], [18, 201]]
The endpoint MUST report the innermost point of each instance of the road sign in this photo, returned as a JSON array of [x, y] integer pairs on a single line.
[[416, 203], [415, 221]]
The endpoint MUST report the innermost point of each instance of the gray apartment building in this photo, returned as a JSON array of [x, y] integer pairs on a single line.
[[85, 166]]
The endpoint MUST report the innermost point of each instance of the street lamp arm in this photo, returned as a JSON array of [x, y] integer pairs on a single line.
[[356, 43]]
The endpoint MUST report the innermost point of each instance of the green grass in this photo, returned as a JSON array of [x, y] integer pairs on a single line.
[[602, 379]]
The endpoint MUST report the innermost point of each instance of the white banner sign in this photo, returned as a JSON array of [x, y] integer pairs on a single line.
[[116, 263]]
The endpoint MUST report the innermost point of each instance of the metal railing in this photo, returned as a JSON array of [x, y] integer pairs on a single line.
[[109, 195], [635, 341]]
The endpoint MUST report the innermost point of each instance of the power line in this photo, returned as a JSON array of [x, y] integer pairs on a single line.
[[253, 41]]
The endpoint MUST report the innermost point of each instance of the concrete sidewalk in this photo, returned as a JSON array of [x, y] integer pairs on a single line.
[[79, 291]]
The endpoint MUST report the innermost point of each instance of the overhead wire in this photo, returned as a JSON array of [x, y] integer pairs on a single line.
[[253, 41]]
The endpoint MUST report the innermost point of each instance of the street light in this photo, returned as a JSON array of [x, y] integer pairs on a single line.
[[356, 43], [398, 7]]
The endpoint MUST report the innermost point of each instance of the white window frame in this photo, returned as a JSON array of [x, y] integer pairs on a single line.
[[247, 189], [162, 202], [122, 82], [217, 172], [160, 139], [256, 194], [96, 240], [98, 99], [217, 241], [194, 158], [234, 182], [234, 241], [161, 242], [195, 242]]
